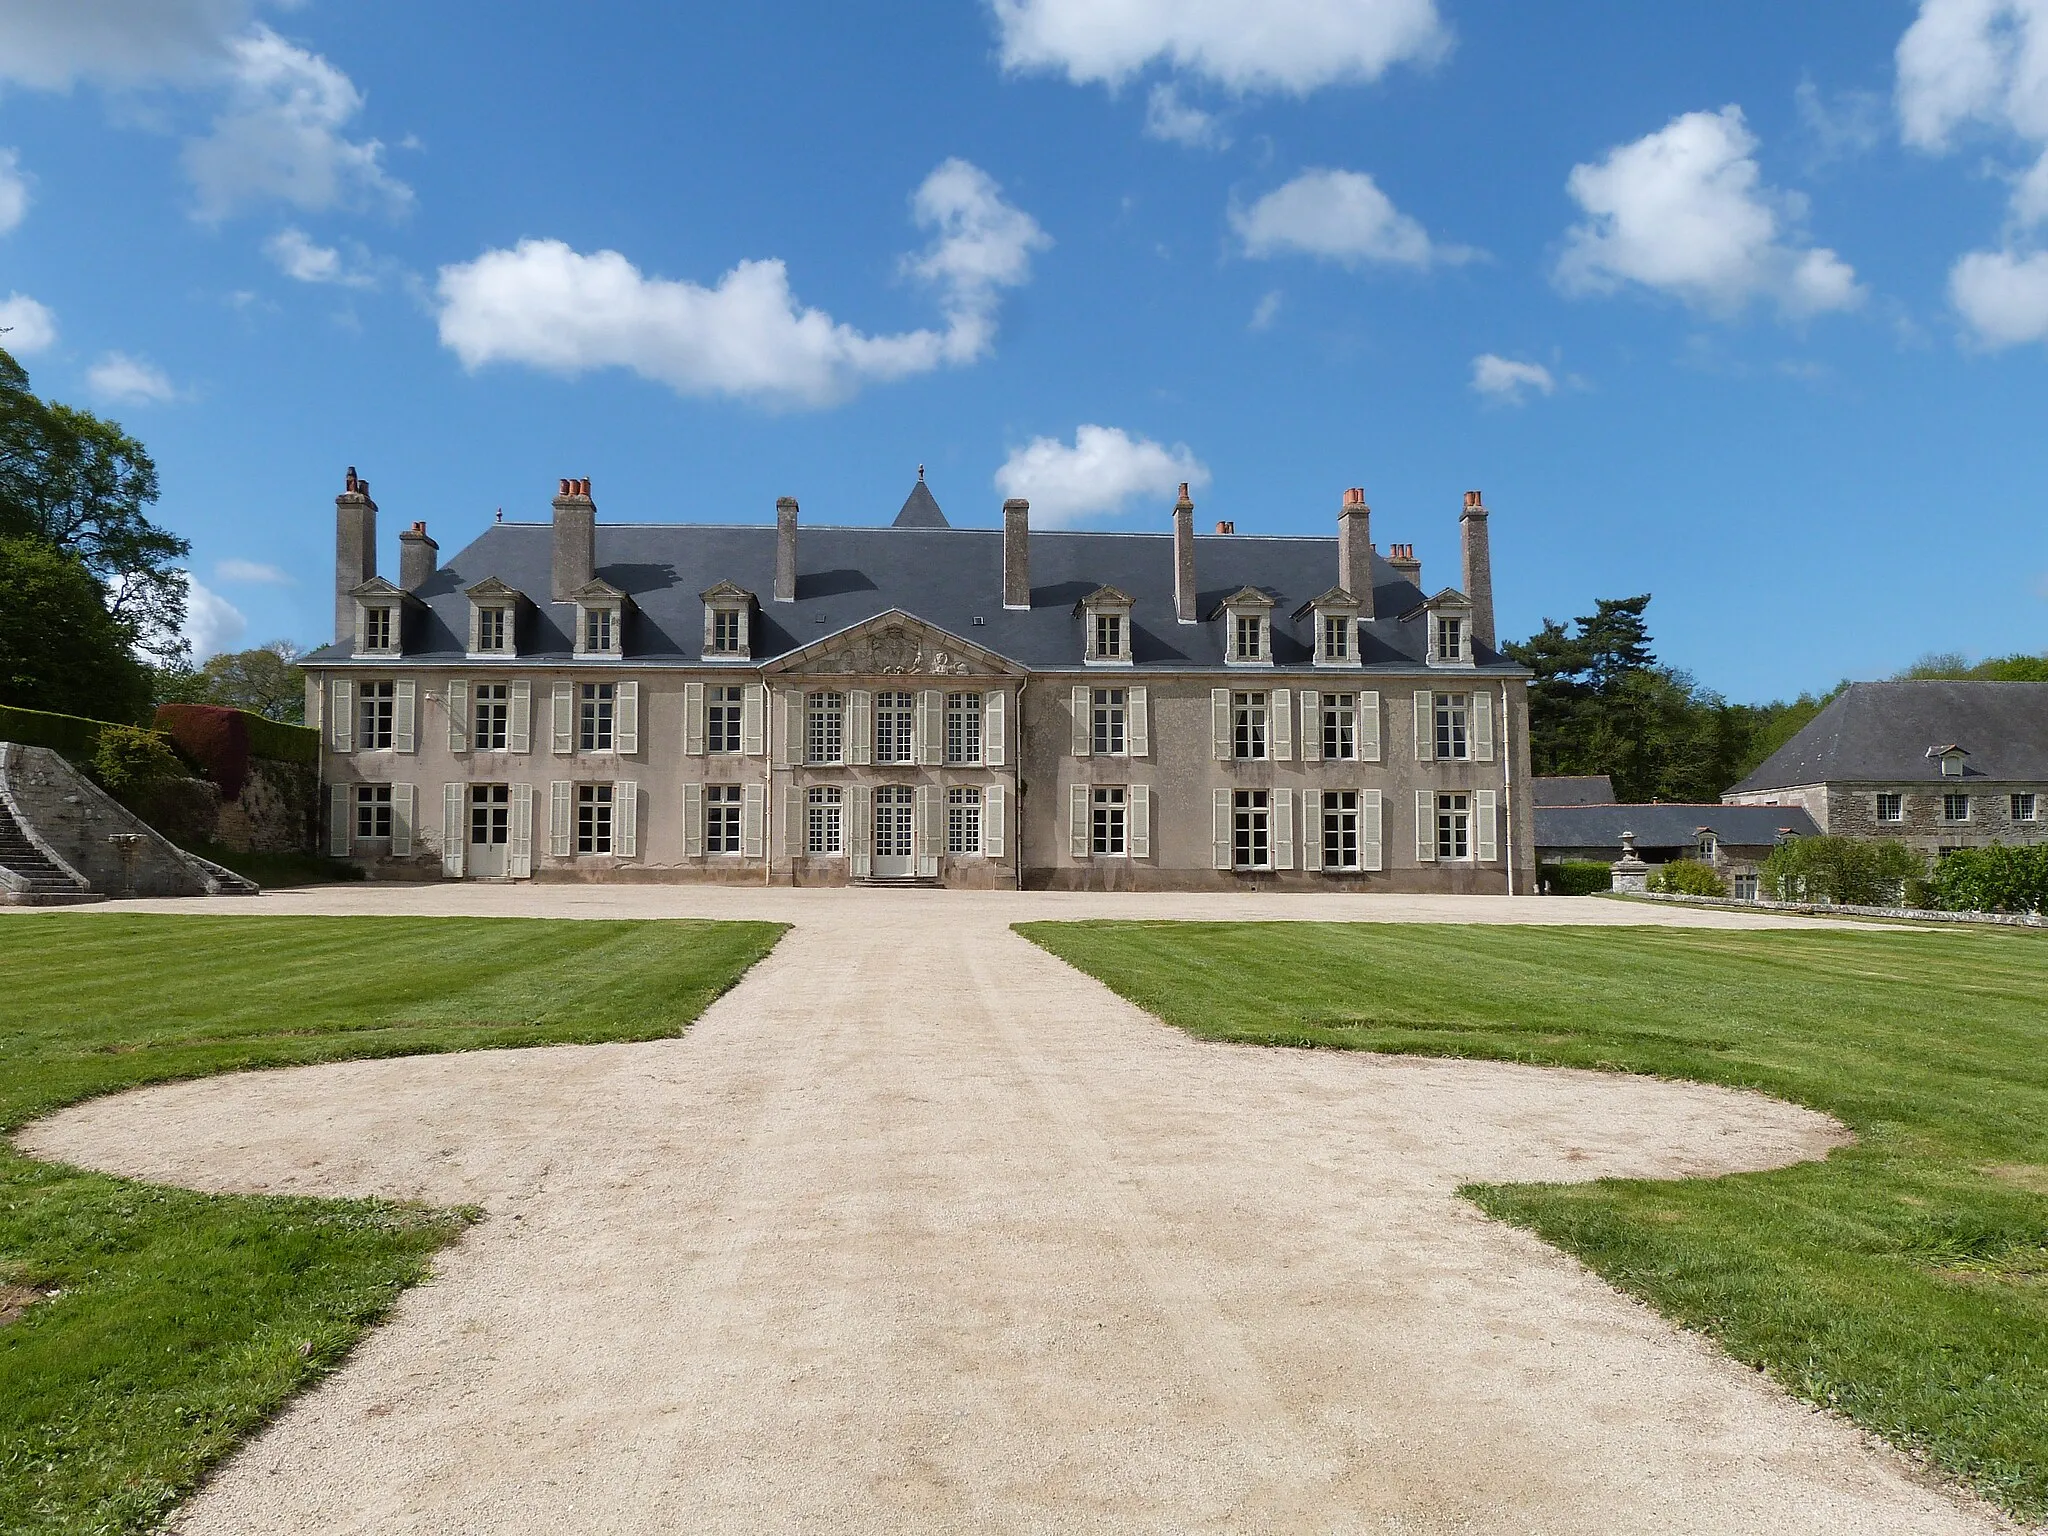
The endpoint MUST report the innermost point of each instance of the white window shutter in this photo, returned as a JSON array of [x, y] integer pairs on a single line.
[[404, 715], [519, 730], [1368, 727], [626, 820], [1283, 829], [454, 838], [1138, 832], [992, 744], [1311, 726], [1138, 723], [344, 715], [626, 720], [693, 719], [994, 804], [859, 829], [1084, 719], [1219, 729], [753, 709], [930, 746], [1280, 721], [928, 829], [316, 696], [753, 820], [1425, 825], [401, 821], [1371, 823], [561, 819], [458, 717], [1485, 840], [794, 832], [1482, 727], [1077, 821], [564, 721], [519, 861], [1311, 829], [1220, 830], [1425, 727], [860, 727], [793, 727], [693, 821], [340, 820]]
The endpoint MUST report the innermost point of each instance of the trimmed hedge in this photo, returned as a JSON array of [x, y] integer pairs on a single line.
[[73, 735], [276, 742], [1575, 877], [203, 729]]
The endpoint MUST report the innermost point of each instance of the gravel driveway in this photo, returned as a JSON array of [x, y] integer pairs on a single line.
[[919, 1230]]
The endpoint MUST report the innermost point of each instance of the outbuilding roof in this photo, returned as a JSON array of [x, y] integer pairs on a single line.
[[1879, 733], [1669, 826]]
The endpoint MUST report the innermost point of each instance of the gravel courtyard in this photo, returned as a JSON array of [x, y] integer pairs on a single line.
[[918, 1229]]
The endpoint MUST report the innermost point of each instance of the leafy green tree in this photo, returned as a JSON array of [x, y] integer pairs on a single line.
[[265, 681], [60, 649], [1847, 871], [1953, 666]]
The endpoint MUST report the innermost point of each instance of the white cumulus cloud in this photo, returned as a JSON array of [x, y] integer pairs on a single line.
[[282, 135], [1684, 211], [13, 191], [1339, 216], [212, 623], [300, 257], [254, 572], [28, 327], [1503, 378], [1177, 121], [549, 306], [50, 44], [130, 381], [2003, 295], [1293, 46], [1098, 475]]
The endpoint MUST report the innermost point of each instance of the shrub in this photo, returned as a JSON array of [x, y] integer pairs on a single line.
[[214, 737], [1687, 877], [73, 735], [277, 742], [131, 763], [1575, 877], [1843, 871], [1994, 879]]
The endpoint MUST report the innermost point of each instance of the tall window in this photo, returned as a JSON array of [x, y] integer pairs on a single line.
[[594, 720], [1340, 829], [593, 818], [493, 629], [1336, 637], [963, 820], [600, 629], [1340, 726], [490, 814], [722, 719], [373, 810], [1109, 722], [1248, 637], [376, 629], [1249, 724], [1452, 737], [1107, 830], [823, 832], [1109, 636], [1251, 829], [492, 710], [2023, 808], [1454, 826], [825, 730], [373, 715], [725, 631], [1450, 639], [1707, 846], [893, 714], [721, 818], [963, 727], [1891, 807], [1955, 807]]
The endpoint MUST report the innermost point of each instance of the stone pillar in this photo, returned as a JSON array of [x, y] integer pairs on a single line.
[[1478, 568], [1354, 549], [1184, 557], [1016, 553], [1630, 873], [355, 550], [575, 538], [418, 557]]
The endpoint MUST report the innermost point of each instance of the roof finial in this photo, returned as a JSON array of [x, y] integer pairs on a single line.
[[920, 471]]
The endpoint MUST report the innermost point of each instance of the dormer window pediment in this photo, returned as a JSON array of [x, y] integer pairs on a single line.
[[600, 618], [1106, 612], [1448, 618], [728, 620], [1333, 621], [1247, 616], [380, 618], [494, 617]]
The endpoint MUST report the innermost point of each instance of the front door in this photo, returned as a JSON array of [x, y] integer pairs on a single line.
[[892, 833], [490, 830]]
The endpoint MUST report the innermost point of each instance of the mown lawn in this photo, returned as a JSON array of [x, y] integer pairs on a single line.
[[1903, 1281], [180, 1322]]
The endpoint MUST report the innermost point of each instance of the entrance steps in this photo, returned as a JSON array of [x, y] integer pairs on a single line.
[[902, 883], [32, 880]]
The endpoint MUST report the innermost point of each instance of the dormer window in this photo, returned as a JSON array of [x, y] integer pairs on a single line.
[[1951, 760], [728, 632], [600, 619], [1449, 639], [380, 624], [1247, 615], [1109, 637], [1333, 627], [493, 629], [1447, 618], [727, 611], [1707, 846], [600, 629], [1107, 614], [1248, 637], [1335, 637], [380, 618], [493, 618]]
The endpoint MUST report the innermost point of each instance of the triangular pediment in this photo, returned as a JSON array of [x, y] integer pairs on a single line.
[[1106, 597], [378, 586], [726, 592], [894, 644], [492, 590], [1450, 598], [1244, 597], [1337, 600], [598, 590]]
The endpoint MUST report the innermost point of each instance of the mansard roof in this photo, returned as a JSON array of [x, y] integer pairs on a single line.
[[1880, 733]]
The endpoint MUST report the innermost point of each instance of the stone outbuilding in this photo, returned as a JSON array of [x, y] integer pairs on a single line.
[[1733, 839]]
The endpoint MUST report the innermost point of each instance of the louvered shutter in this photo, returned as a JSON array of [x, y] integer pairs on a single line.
[[1138, 725], [519, 862], [626, 720], [626, 820], [340, 821], [753, 710], [519, 731], [1283, 829], [453, 843], [1219, 728], [316, 699], [1425, 825], [793, 829], [561, 818], [992, 743], [693, 821], [344, 715], [930, 746], [404, 715], [1077, 821], [693, 719], [859, 830], [860, 727], [994, 806], [753, 820], [1311, 829], [1425, 727], [1485, 839], [458, 717], [793, 727], [401, 821], [1482, 727], [1368, 727], [1280, 721], [1140, 828], [928, 830], [1220, 830], [1371, 822], [1084, 719], [1311, 726], [564, 721]]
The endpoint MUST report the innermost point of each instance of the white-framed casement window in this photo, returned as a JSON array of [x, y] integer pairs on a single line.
[[824, 820], [490, 815], [1951, 760], [1340, 727], [724, 703], [1109, 640], [594, 818], [1248, 726], [493, 630], [1448, 638], [1251, 829], [1248, 637], [596, 716], [1453, 725], [825, 728], [380, 629], [373, 811], [963, 728], [1334, 641], [1340, 830], [376, 712], [1745, 887], [1706, 847], [1454, 826], [2024, 807], [895, 712], [1109, 822], [728, 632], [493, 717], [963, 820], [1955, 807], [1891, 807], [598, 629], [1108, 736], [722, 818]]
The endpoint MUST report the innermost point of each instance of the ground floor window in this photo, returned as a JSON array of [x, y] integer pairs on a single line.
[[1745, 887], [1340, 829], [1109, 822], [593, 818], [963, 820], [2023, 808], [722, 818], [1454, 826], [373, 810], [490, 814], [1251, 829], [824, 831]]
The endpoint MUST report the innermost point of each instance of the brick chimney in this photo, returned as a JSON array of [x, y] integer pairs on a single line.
[[418, 557], [1478, 568], [1402, 558], [1184, 557], [355, 549], [575, 538], [785, 549], [1016, 553], [1354, 549]]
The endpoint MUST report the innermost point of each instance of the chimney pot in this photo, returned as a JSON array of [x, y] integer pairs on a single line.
[[785, 549], [1016, 553], [565, 489]]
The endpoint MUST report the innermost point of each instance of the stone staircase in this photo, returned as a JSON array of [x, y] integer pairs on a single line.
[[36, 881]]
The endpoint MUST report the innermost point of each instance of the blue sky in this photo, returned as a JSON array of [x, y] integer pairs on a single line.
[[1740, 304]]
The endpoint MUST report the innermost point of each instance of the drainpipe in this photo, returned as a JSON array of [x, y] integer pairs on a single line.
[[1507, 782], [1017, 776], [767, 784]]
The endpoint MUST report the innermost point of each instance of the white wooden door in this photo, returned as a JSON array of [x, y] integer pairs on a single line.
[[892, 847], [490, 831]]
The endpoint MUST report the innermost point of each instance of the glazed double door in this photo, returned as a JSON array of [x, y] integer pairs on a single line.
[[893, 855]]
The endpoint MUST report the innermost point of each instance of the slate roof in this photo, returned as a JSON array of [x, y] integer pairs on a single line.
[[949, 577], [1880, 733], [1661, 827], [1575, 789], [920, 508]]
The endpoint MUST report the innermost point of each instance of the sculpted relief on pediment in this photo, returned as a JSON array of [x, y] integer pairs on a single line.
[[900, 649]]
